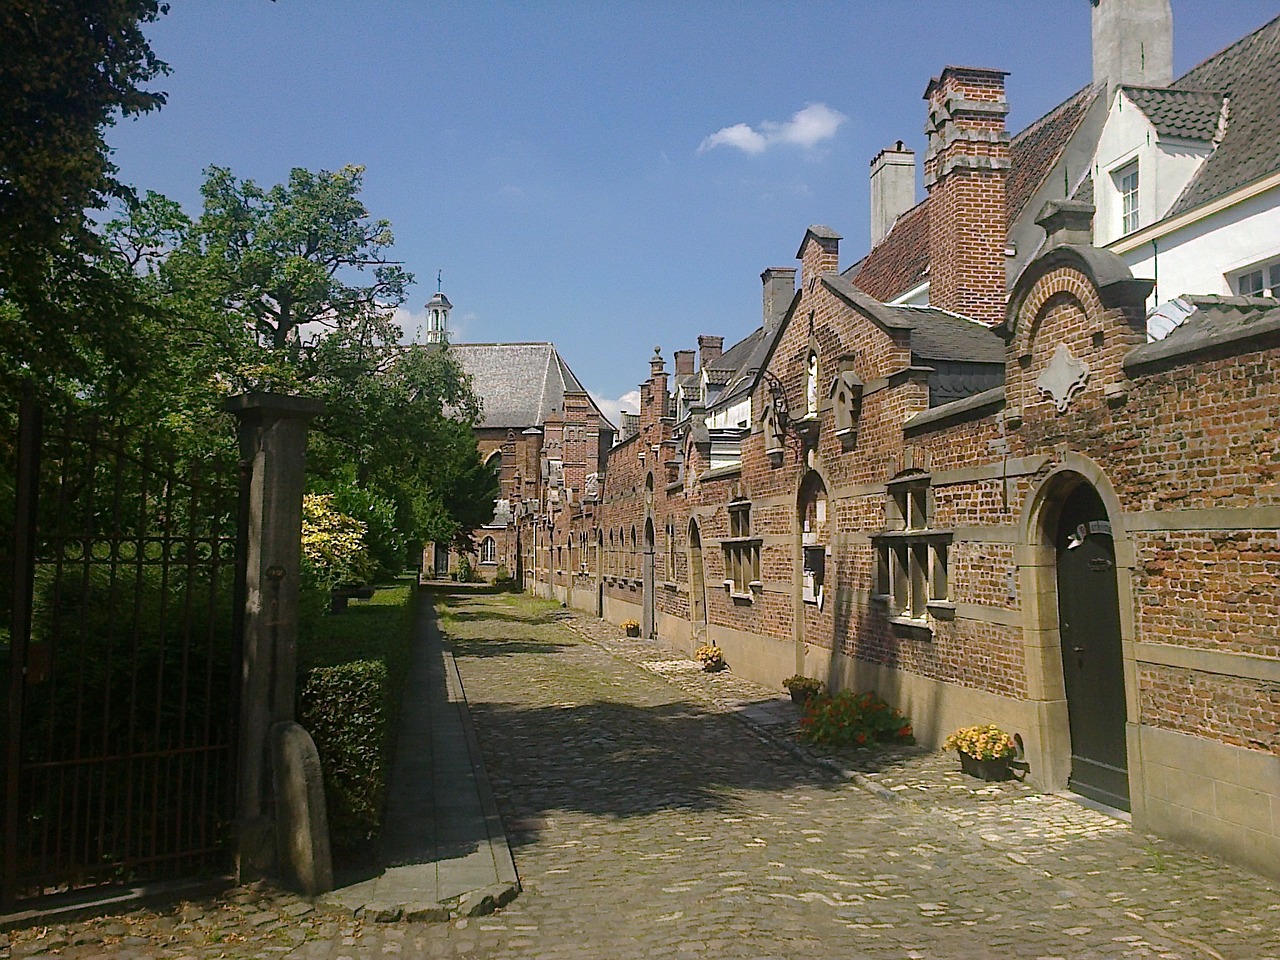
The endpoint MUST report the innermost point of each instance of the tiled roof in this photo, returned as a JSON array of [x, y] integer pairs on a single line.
[[518, 383], [1084, 192], [1034, 151], [1188, 114], [900, 261], [1248, 72]]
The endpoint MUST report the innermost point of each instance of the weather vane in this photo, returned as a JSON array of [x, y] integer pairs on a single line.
[[439, 274]]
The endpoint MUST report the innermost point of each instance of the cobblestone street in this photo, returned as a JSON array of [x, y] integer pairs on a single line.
[[647, 821]]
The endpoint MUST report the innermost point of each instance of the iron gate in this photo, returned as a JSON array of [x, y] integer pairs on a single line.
[[120, 659]]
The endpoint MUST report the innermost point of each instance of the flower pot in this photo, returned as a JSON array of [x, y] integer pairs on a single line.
[[633, 631], [994, 769], [800, 695]]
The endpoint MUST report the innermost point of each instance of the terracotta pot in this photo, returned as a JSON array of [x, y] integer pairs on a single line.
[[996, 769]]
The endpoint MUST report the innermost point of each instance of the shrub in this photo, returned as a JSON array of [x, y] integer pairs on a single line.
[[466, 572], [333, 543], [854, 719], [343, 707], [349, 701], [798, 683]]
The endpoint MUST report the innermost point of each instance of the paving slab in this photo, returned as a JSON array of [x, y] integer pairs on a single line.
[[443, 849]]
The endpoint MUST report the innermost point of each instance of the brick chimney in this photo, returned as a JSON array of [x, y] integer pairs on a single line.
[[819, 253], [893, 188], [658, 384], [684, 362], [965, 171], [779, 290], [709, 349]]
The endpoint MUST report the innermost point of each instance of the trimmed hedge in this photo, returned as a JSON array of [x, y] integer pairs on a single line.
[[349, 701]]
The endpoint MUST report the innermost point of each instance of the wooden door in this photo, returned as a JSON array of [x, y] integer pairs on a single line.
[[1092, 662]]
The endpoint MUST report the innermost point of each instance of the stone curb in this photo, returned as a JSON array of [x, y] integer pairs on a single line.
[[474, 903]]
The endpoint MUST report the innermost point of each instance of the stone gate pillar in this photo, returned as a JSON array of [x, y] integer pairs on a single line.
[[273, 442]]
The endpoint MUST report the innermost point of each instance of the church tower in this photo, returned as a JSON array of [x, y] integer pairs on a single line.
[[438, 308]]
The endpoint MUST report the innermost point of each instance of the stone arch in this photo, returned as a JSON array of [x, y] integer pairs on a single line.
[[1049, 746]]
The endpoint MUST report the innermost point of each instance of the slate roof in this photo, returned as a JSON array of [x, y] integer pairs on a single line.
[[900, 261], [1188, 114], [1248, 73], [520, 384], [935, 334], [1215, 321]]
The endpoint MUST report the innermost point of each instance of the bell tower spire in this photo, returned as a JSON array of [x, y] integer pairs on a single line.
[[438, 308]]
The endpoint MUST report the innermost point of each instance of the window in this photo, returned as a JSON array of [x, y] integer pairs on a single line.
[[1127, 183], [911, 555], [671, 553], [1261, 282], [741, 551], [488, 550]]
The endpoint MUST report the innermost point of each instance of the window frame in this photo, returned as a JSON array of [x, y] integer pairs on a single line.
[[741, 553], [912, 567], [1130, 205]]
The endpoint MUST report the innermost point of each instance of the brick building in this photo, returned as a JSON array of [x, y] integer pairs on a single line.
[[540, 432], [960, 472]]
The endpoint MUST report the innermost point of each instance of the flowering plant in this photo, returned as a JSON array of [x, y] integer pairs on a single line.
[[851, 719], [987, 742], [710, 656], [630, 624], [810, 685]]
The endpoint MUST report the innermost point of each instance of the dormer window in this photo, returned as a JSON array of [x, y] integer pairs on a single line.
[[1263, 281], [1126, 179]]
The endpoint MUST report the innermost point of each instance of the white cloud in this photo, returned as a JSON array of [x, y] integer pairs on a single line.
[[613, 409], [808, 127]]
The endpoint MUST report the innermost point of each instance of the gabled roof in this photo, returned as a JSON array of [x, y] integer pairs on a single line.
[[900, 261], [520, 384], [1248, 73], [1186, 114]]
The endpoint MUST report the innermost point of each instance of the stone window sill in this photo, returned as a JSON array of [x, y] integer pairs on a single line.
[[911, 628]]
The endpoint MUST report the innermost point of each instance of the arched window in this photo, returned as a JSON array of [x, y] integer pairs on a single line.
[[488, 550], [811, 386]]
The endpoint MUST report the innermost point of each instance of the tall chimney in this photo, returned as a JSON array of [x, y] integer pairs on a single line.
[[684, 362], [1132, 43], [779, 290], [893, 188], [965, 171], [709, 349]]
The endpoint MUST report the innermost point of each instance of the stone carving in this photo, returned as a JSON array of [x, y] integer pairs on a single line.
[[1064, 377]]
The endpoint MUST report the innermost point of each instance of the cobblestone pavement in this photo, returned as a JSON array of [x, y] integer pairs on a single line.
[[646, 821]]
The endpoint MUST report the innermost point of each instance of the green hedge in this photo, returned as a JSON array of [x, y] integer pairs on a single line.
[[354, 665]]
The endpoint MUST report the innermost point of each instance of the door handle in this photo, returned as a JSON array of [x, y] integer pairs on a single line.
[[1077, 649]]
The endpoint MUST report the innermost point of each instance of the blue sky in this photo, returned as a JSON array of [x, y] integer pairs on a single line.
[[606, 176]]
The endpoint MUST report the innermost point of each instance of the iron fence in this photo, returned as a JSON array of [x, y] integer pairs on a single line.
[[121, 657]]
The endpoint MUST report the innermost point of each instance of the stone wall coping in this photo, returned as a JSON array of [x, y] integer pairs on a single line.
[[946, 414], [280, 404]]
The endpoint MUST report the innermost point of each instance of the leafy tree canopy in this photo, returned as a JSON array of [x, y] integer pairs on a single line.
[[68, 69]]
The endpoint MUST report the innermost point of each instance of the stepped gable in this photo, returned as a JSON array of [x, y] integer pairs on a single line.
[[901, 261], [1248, 73]]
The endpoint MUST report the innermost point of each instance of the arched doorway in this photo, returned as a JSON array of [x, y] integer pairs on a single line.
[[1092, 658], [697, 583], [648, 628]]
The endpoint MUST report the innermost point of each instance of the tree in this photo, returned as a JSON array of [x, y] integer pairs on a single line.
[[292, 289], [68, 69]]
